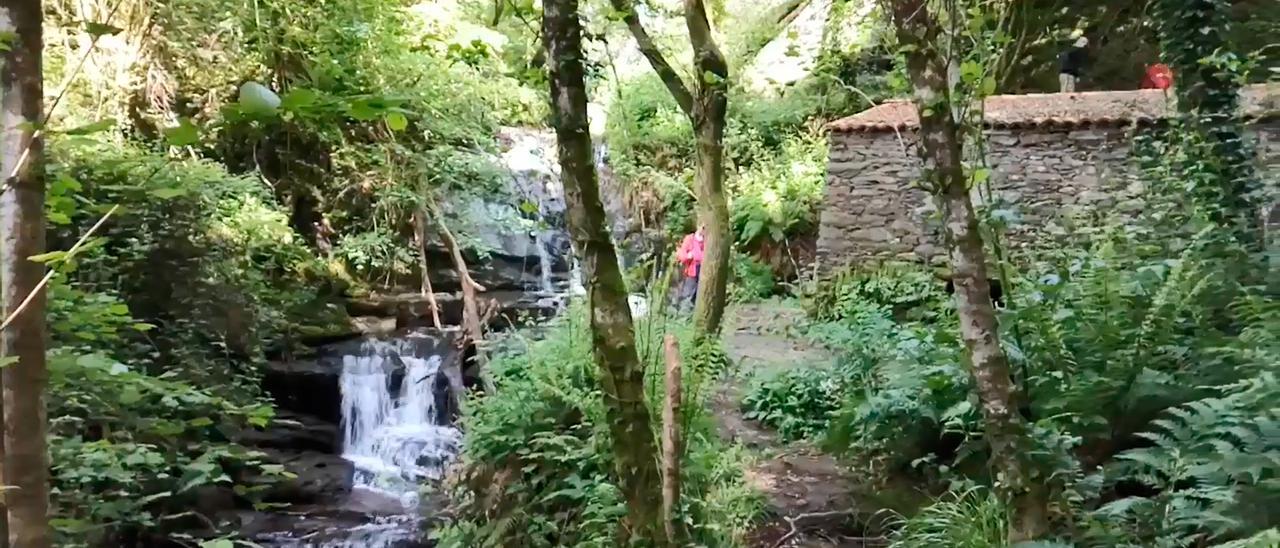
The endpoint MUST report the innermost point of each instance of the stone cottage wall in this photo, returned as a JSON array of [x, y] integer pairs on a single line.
[[873, 209]]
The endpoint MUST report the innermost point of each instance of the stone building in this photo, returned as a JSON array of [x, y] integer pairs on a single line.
[[1051, 156]]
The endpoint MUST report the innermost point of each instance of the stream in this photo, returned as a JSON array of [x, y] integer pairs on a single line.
[[369, 433]]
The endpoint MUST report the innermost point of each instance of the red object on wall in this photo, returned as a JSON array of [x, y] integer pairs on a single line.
[[1158, 76]]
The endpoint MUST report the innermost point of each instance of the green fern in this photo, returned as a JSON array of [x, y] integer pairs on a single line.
[[1206, 459]]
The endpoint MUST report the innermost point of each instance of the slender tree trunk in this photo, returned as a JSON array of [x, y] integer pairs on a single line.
[[713, 279], [705, 106], [612, 335], [941, 150], [672, 447], [420, 239], [26, 466], [472, 330]]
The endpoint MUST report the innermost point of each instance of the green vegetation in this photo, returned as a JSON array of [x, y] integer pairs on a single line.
[[538, 459], [222, 179]]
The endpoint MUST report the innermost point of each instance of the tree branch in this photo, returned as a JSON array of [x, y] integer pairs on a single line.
[[712, 70], [676, 85]]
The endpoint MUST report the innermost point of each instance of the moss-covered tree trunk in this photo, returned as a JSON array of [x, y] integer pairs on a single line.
[[941, 149], [26, 465], [706, 107], [612, 336]]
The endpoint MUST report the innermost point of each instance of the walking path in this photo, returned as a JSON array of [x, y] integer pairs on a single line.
[[808, 493]]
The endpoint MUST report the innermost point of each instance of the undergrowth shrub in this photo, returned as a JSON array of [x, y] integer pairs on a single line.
[[133, 452], [969, 518], [537, 468], [752, 280], [156, 329], [208, 257], [903, 287], [798, 403]]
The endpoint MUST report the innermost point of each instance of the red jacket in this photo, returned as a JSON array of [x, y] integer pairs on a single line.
[[1158, 76], [690, 255]]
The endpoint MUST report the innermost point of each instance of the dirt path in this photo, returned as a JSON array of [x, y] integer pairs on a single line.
[[802, 486]]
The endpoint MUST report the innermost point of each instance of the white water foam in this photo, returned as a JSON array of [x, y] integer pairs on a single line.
[[393, 438]]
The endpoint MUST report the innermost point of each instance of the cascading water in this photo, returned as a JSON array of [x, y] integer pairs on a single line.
[[395, 435], [393, 438]]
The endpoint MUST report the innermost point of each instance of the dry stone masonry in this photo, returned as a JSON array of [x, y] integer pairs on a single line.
[[1052, 158]]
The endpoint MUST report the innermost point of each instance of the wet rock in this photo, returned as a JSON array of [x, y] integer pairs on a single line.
[[309, 387], [318, 477], [294, 431], [413, 310]]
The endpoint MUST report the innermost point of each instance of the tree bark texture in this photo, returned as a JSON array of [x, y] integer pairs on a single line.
[[612, 336], [706, 106], [941, 149], [26, 465]]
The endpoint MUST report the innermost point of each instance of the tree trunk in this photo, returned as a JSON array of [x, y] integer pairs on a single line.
[[612, 336], [472, 330], [420, 239], [26, 466], [708, 117], [941, 150], [706, 107], [671, 444], [713, 279]]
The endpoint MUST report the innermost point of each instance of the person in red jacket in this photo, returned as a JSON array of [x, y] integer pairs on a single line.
[[690, 258], [1158, 76]]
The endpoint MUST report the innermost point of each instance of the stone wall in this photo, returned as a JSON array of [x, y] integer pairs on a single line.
[[874, 209]]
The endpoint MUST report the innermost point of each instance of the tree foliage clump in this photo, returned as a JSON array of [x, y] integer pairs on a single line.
[[157, 327]]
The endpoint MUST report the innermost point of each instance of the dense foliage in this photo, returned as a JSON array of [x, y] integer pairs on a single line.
[[157, 326], [1142, 361], [538, 463]]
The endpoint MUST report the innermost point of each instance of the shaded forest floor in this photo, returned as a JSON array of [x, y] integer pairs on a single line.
[[809, 496]]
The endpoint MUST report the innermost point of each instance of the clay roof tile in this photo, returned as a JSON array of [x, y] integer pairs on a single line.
[[1060, 109]]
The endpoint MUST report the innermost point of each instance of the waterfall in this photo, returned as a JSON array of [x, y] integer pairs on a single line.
[[544, 262], [394, 435], [395, 438]]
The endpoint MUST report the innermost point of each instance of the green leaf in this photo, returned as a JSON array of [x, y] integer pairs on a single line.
[[298, 98], [988, 86], [6, 361], [7, 39], [981, 175], [101, 29], [363, 111], [217, 543], [49, 257], [397, 121], [168, 193], [78, 141], [130, 395], [184, 134], [100, 125]]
